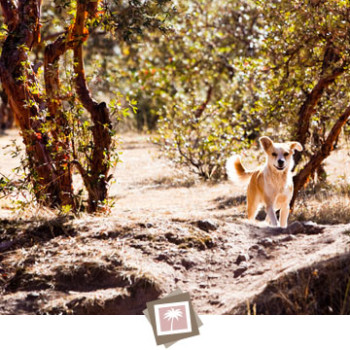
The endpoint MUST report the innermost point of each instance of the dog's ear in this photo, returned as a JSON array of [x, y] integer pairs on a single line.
[[296, 146], [265, 142]]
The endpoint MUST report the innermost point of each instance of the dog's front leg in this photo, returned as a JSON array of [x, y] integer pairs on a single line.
[[284, 213], [271, 215]]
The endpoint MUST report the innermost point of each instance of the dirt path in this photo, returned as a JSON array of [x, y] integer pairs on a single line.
[[166, 230]]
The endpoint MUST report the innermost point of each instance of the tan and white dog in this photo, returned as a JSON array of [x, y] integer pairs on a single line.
[[272, 185]]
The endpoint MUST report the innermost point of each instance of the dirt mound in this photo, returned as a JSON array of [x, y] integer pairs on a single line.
[[322, 289], [72, 274], [223, 268]]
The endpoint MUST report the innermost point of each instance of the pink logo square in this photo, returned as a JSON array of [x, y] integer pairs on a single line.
[[173, 318]]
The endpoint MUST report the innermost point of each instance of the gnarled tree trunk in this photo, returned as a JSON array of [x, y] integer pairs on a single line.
[[316, 160], [60, 127], [18, 78], [51, 162], [96, 176], [308, 107]]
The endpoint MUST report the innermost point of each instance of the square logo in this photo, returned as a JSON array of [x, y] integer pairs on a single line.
[[172, 318]]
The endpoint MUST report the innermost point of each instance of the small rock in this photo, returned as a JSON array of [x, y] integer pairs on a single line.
[[137, 246], [33, 295], [141, 237], [203, 285], [187, 264], [253, 251], [146, 225], [262, 253], [5, 245], [257, 273], [287, 238], [258, 253], [311, 228], [295, 227], [242, 268], [266, 242], [214, 276], [241, 257], [207, 225], [164, 257]]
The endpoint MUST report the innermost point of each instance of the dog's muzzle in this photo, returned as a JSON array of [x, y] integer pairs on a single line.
[[280, 168]]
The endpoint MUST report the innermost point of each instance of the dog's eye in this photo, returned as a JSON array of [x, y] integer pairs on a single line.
[[274, 154], [286, 154]]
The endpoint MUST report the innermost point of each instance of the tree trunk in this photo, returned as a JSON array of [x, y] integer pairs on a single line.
[[50, 163], [96, 176], [60, 127], [18, 78], [301, 179], [308, 108]]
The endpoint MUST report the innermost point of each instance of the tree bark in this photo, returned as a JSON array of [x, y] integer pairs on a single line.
[[6, 115], [18, 78], [50, 163], [60, 126], [308, 108], [301, 179], [96, 176]]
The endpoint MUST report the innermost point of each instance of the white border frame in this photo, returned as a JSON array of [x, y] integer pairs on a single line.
[[178, 331]]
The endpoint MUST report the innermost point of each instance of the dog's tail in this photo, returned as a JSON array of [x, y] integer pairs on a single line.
[[236, 171]]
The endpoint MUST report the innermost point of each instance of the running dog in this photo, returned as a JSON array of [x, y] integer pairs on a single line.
[[272, 185]]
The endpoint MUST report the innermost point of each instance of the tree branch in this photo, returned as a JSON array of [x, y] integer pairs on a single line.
[[96, 176], [203, 106], [307, 109], [316, 160]]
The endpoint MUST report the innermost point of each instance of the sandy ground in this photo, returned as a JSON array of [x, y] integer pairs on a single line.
[[166, 230]]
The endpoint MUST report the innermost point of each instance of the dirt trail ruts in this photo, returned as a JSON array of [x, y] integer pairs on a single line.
[[166, 230]]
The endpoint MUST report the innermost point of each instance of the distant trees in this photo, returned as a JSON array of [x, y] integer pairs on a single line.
[[232, 70], [199, 82]]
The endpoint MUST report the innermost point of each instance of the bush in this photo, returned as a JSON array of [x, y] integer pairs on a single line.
[[203, 141]]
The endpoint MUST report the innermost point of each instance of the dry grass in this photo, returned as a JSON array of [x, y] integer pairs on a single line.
[[320, 289], [324, 204]]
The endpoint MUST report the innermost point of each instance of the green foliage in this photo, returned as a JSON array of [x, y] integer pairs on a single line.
[[198, 83], [208, 77], [204, 142], [261, 61], [129, 20], [304, 42]]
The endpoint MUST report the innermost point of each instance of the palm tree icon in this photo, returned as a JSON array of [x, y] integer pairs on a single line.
[[171, 315]]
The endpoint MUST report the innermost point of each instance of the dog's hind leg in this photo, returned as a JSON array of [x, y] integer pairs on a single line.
[[252, 206]]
